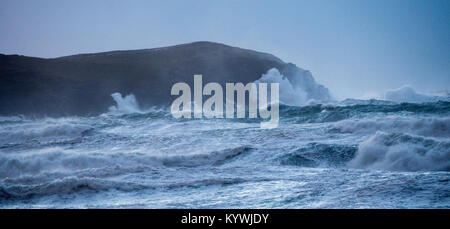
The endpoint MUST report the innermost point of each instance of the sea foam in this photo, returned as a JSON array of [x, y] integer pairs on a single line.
[[125, 105], [401, 152], [407, 94]]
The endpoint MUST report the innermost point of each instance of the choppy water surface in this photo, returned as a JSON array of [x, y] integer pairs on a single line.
[[371, 155]]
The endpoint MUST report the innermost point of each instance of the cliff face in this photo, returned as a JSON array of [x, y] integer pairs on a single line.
[[82, 84]]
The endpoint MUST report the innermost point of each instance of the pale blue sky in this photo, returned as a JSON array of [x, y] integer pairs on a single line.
[[355, 48]]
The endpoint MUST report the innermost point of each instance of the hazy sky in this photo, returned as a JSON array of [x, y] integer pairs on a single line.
[[355, 48]]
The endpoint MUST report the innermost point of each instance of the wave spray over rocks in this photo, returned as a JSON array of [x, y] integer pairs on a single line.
[[110, 139]]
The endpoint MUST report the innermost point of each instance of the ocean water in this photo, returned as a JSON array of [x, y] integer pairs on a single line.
[[354, 154]]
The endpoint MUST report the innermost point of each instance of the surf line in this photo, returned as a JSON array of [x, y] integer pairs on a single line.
[[213, 107]]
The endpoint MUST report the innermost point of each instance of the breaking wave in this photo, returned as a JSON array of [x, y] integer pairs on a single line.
[[125, 105], [44, 130], [407, 94], [289, 94], [427, 126], [132, 151], [330, 113], [402, 152], [57, 160]]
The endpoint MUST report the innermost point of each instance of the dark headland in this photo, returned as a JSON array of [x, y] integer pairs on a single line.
[[82, 84]]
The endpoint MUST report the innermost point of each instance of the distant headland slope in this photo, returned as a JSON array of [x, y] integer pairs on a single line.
[[82, 84]]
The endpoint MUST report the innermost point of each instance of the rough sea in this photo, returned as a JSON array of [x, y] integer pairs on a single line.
[[353, 154]]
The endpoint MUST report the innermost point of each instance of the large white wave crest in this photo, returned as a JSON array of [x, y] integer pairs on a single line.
[[289, 94], [400, 152], [125, 105], [407, 94]]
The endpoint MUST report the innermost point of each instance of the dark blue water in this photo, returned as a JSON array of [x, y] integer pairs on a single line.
[[374, 154]]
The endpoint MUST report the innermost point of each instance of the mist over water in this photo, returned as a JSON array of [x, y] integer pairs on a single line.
[[340, 154], [125, 105], [290, 94], [370, 129]]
